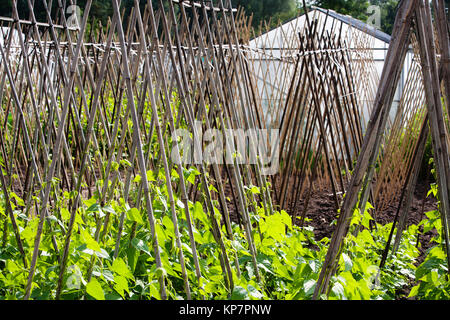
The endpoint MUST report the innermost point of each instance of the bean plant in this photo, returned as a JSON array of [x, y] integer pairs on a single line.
[[289, 258]]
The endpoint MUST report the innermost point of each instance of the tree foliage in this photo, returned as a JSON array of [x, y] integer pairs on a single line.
[[388, 12], [354, 8], [263, 11], [100, 9], [360, 10], [270, 11]]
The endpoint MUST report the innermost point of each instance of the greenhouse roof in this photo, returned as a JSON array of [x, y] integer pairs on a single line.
[[357, 24]]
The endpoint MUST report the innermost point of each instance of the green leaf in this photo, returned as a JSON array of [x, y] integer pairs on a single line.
[[432, 278], [150, 176], [180, 204], [338, 290], [191, 178], [94, 289], [134, 215], [11, 266], [133, 256], [199, 213], [109, 209], [286, 218], [366, 237], [427, 266], [75, 280], [154, 290], [114, 166], [125, 163], [363, 289], [356, 217], [255, 190], [168, 223], [29, 233], [174, 174], [160, 232], [101, 254], [121, 285], [19, 200], [366, 218], [108, 275], [121, 268], [347, 262], [254, 293], [78, 219], [309, 287], [414, 291], [239, 293], [434, 214], [112, 296], [65, 214], [93, 208], [437, 252], [90, 241], [274, 227], [210, 287], [140, 245], [281, 269]]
